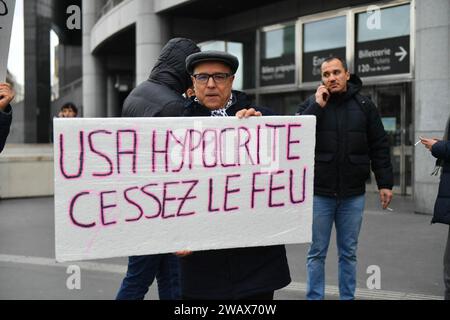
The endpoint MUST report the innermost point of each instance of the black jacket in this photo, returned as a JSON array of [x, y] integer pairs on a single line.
[[441, 150], [232, 273], [350, 136], [161, 94], [5, 124]]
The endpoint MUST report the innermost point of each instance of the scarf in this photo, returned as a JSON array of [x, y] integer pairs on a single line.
[[222, 112]]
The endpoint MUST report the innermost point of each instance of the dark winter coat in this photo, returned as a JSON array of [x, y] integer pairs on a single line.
[[5, 124], [161, 94], [349, 138], [441, 150], [232, 273]]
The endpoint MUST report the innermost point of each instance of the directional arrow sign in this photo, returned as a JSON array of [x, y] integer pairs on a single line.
[[402, 54], [383, 57]]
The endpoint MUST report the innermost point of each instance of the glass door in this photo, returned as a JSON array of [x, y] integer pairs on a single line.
[[394, 106]]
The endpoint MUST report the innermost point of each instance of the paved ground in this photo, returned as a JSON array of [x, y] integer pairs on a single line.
[[405, 247]]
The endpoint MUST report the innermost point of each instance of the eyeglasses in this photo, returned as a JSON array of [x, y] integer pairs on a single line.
[[203, 78]]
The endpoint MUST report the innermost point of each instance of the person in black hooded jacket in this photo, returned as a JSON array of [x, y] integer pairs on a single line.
[[159, 96], [349, 138], [6, 96], [440, 149]]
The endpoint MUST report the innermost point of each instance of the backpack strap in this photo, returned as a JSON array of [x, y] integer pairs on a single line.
[[365, 103]]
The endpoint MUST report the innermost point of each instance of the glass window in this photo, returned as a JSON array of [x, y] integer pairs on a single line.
[[275, 38], [383, 42], [322, 39], [282, 42], [324, 34], [278, 55], [212, 45], [234, 48], [282, 103], [388, 23]]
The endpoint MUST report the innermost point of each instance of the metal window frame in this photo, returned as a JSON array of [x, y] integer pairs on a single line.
[[343, 12], [350, 14], [279, 87], [401, 77]]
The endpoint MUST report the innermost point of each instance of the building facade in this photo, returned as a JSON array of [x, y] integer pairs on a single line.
[[399, 48]]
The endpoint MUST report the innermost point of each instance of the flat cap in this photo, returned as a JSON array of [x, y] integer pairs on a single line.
[[205, 56]]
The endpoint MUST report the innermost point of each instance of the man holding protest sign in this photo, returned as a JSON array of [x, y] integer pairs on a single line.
[[349, 137], [240, 273], [159, 96], [6, 96]]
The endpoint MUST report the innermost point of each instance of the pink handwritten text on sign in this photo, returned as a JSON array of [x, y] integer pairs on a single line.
[[144, 186]]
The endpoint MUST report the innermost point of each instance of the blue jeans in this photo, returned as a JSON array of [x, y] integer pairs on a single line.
[[141, 272], [347, 214]]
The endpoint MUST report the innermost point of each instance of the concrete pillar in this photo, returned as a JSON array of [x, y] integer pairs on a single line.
[[37, 15], [94, 80], [432, 94], [152, 33]]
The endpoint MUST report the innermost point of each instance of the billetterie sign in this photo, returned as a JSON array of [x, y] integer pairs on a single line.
[[136, 186]]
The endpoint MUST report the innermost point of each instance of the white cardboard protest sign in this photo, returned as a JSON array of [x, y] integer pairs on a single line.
[[136, 186], [6, 21]]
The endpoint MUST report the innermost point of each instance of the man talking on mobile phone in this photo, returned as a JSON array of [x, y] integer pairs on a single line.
[[350, 138]]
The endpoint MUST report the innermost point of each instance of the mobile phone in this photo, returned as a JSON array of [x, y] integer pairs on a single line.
[[325, 95]]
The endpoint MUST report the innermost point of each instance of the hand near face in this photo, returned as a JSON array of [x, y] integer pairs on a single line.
[[6, 95], [245, 113], [322, 96]]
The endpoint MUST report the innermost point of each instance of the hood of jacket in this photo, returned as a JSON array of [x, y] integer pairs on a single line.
[[354, 85], [170, 69]]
